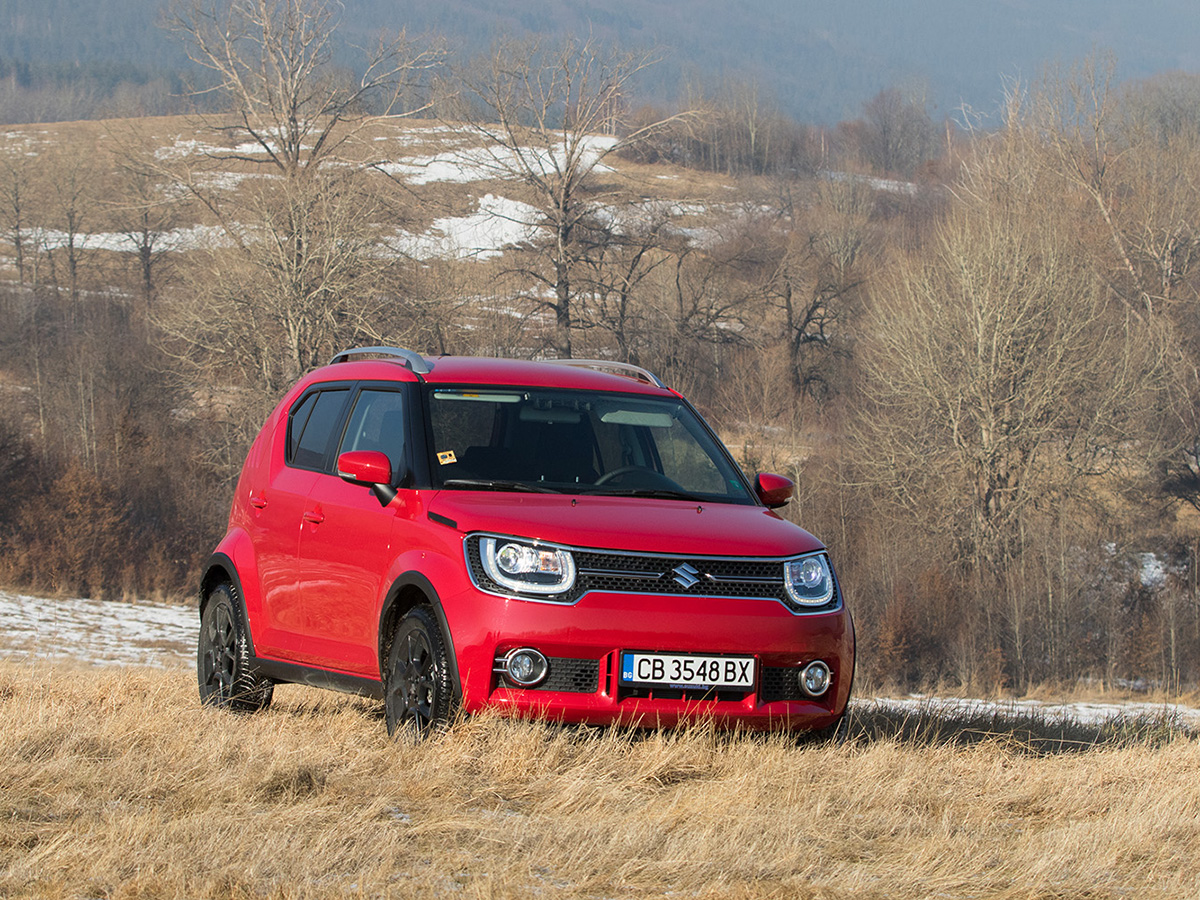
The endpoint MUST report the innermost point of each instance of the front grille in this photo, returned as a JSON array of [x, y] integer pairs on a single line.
[[572, 676], [637, 573]]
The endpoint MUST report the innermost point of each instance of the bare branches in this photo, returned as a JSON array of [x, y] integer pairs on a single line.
[[1002, 373], [272, 60], [550, 121]]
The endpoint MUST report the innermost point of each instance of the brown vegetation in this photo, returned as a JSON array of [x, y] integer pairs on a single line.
[[983, 380], [119, 785]]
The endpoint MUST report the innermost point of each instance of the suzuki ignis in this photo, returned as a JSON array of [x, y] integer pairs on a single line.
[[561, 539]]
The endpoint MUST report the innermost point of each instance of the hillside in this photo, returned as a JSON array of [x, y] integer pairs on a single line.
[[818, 61]]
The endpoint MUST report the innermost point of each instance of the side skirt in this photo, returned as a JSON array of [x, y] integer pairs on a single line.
[[291, 673]]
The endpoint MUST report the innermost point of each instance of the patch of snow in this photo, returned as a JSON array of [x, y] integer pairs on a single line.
[[184, 147], [225, 181], [497, 223], [193, 237], [887, 185], [98, 632], [1083, 713], [1153, 571], [495, 162]]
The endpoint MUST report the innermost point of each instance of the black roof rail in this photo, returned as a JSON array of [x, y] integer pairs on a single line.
[[415, 361], [628, 370]]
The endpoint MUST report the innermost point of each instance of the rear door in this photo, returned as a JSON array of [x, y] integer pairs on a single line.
[[278, 498]]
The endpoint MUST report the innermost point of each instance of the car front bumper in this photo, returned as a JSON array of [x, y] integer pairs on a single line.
[[583, 643]]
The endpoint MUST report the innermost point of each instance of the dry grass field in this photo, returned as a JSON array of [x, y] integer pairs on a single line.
[[116, 784]]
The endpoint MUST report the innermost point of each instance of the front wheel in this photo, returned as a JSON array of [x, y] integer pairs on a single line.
[[223, 668], [418, 676]]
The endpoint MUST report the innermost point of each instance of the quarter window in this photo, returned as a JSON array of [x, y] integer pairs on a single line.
[[312, 426]]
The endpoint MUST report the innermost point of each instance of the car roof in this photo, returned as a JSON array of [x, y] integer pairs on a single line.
[[476, 370]]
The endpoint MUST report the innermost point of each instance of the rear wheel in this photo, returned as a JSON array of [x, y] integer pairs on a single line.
[[223, 667], [418, 677]]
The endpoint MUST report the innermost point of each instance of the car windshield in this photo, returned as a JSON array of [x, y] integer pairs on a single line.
[[577, 442]]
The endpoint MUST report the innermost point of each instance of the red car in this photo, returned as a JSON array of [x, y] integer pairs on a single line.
[[562, 539]]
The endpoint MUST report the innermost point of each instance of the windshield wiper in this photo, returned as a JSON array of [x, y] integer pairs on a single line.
[[653, 493], [488, 484]]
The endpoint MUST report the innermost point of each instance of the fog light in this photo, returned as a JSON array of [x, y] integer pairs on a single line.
[[815, 678], [526, 667]]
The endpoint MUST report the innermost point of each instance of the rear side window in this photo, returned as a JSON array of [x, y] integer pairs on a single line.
[[311, 428]]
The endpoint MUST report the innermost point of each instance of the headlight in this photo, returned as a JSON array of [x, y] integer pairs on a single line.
[[527, 568], [809, 580]]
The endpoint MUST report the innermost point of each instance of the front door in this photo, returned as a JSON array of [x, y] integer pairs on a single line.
[[346, 545]]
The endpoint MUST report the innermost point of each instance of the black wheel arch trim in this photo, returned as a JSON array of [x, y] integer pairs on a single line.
[[389, 616], [221, 568]]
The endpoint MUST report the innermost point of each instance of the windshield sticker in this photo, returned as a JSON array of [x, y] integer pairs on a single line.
[[446, 457]]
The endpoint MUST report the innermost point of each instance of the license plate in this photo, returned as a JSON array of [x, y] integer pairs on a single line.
[[685, 671]]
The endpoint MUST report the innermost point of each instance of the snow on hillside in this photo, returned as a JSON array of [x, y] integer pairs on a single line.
[[112, 633], [496, 224]]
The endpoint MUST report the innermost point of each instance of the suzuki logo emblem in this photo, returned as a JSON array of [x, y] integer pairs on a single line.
[[686, 575]]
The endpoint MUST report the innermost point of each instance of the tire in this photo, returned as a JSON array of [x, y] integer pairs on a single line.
[[223, 666], [417, 688]]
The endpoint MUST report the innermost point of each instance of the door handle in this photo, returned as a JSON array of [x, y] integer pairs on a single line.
[[258, 501], [315, 516]]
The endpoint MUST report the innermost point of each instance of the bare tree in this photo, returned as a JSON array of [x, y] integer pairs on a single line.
[[898, 135], [16, 178], [1136, 173], [817, 281], [296, 268], [634, 243], [1003, 377], [549, 121], [145, 208], [273, 66]]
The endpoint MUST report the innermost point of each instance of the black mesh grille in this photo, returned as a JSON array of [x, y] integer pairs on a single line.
[[780, 684], [573, 676], [628, 573], [691, 695]]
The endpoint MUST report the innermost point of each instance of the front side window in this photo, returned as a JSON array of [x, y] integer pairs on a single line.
[[577, 442], [377, 423]]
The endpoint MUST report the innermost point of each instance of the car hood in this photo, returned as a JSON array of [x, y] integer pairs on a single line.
[[623, 523]]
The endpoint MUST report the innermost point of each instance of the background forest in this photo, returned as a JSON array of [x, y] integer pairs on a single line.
[[976, 350]]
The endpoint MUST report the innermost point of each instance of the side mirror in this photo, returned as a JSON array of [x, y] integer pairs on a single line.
[[773, 490], [370, 468]]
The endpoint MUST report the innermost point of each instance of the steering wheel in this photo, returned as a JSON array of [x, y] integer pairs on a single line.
[[617, 473], [643, 477]]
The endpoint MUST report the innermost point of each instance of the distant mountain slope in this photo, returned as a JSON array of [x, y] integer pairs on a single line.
[[819, 60]]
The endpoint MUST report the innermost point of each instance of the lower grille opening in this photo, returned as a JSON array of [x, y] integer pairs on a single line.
[[692, 695], [572, 676], [780, 684]]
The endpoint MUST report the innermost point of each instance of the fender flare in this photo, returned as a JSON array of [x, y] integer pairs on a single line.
[[409, 590], [217, 569]]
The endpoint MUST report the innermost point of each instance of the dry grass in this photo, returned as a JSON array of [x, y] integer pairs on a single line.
[[116, 784]]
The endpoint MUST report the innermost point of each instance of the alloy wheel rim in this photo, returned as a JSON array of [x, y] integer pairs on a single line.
[[415, 685], [220, 657]]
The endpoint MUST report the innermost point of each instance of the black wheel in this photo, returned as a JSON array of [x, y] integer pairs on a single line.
[[223, 658], [418, 678]]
